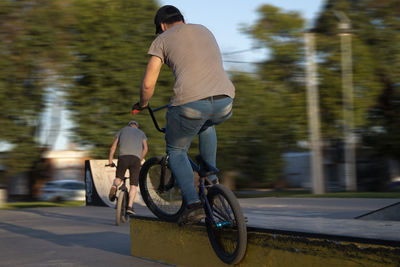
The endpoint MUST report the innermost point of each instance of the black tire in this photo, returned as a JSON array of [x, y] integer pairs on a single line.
[[229, 241], [121, 208], [166, 203], [124, 214]]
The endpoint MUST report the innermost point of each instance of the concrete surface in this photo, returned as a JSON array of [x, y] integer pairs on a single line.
[[189, 246], [65, 237], [318, 216], [87, 236], [282, 232], [322, 216], [388, 213]]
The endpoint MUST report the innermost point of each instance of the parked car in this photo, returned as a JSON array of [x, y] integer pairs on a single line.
[[63, 190]]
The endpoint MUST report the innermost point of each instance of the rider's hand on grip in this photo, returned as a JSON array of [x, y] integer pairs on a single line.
[[111, 165], [136, 109]]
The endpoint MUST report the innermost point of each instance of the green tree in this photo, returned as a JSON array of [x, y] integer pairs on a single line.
[[110, 42], [365, 83], [31, 37], [282, 74], [377, 24], [375, 72], [249, 142], [269, 109]]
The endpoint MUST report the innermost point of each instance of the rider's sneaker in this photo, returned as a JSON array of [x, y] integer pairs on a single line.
[[208, 182], [112, 195], [216, 181], [193, 213], [130, 211]]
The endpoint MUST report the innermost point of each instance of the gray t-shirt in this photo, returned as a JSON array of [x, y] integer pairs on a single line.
[[192, 53], [131, 141]]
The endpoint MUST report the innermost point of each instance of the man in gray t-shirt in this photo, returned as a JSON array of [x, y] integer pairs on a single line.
[[132, 150], [203, 96]]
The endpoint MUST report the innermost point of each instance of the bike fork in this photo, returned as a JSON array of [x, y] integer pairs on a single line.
[[206, 204], [211, 219]]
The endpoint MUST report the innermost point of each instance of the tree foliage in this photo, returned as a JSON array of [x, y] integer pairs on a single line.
[[96, 51], [269, 107], [282, 76], [110, 42], [376, 57], [249, 142], [31, 41]]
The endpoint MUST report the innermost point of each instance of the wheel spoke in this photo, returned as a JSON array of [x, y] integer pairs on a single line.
[[218, 213], [161, 194], [223, 211], [229, 241], [169, 200]]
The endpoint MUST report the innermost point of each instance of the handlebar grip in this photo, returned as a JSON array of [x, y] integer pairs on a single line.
[[137, 108], [135, 111], [110, 165]]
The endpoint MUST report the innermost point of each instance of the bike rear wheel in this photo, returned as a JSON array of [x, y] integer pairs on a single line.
[[159, 190], [122, 201], [228, 234]]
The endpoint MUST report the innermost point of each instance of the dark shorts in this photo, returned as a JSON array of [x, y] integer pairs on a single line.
[[131, 163]]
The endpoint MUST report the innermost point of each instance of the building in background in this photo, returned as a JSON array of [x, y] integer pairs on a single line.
[[54, 165], [67, 164]]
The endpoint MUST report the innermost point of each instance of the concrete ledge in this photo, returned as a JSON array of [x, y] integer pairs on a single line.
[[189, 246]]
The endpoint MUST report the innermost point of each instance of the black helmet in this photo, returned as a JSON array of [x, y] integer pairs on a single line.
[[168, 14]]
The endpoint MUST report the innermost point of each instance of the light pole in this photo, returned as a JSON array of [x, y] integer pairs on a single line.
[[313, 116], [348, 110]]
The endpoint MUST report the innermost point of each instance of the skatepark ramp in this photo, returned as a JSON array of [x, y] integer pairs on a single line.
[[98, 180], [189, 246]]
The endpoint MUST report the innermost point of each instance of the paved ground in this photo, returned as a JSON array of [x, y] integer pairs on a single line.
[[66, 237], [87, 236], [322, 216]]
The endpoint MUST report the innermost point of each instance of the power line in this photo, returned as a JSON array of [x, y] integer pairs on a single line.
[[241, 62], [240, 51], [81, 73]]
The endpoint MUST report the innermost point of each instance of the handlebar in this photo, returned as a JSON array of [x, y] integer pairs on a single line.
[[151, 111], [110, 165]]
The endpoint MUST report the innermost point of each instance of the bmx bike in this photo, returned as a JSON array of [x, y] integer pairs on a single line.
[[122, 199], [225, 223]]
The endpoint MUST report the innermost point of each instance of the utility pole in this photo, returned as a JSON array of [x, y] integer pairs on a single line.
[[348, 109], [313, 116]]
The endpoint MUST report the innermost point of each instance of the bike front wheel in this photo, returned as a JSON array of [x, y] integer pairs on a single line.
[[159, 190], [122, 201], [227, 232]]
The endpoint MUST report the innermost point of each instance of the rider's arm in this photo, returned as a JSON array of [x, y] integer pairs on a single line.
[[144, 151], [150, 80], [112, 151]]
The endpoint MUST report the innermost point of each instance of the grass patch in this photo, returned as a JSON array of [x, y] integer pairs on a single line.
[[37, 204], [305, 193]]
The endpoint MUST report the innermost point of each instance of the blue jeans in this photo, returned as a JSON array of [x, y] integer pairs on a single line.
[[183, 124]]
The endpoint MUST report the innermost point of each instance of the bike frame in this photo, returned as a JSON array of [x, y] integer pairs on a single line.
[[123, 186], [195, 167]]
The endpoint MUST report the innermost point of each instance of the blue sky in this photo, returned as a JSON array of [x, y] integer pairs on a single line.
[[224, 18]]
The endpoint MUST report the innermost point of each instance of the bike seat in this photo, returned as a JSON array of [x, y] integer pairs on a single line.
[[205, 168]]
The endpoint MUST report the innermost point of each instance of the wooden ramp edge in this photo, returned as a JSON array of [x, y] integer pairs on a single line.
[[189, 246]]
